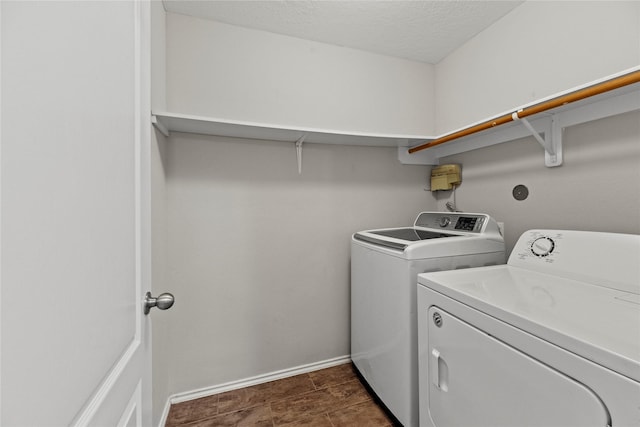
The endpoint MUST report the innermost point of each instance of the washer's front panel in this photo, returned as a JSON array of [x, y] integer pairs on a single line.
[[475, 379], [384, 328]]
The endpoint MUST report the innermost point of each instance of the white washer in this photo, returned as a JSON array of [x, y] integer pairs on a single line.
[[552, 338], [384, 268]]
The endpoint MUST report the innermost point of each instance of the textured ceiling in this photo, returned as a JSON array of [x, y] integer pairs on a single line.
[[420, 30]]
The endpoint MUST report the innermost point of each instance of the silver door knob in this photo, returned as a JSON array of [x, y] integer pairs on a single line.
[[163, 301]]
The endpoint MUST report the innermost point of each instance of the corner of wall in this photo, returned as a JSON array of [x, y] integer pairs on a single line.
[[158, 57], [508, 64], [159, 330], [160, 327]]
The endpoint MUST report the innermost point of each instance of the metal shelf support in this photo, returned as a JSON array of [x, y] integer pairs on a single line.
[[299, 152], [551, 141]]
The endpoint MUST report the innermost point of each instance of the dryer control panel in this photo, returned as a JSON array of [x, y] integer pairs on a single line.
[[608, 259], [539, 246]]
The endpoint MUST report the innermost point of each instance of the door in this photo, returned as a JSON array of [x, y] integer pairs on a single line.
[[475, 379], [74, 221]]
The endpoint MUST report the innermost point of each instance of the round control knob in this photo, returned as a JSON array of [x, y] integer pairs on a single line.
[[444, 221], [542, 246]]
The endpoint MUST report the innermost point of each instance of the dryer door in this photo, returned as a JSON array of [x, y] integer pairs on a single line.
[[474, 379]]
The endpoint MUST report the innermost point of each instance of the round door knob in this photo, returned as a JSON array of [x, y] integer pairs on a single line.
[[163, 301]]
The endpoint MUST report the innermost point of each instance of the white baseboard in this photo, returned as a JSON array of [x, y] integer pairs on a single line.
[[165, 413], [247, 382]]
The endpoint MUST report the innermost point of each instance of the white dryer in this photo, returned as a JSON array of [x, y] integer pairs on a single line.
[[384, 268], [552, 338]]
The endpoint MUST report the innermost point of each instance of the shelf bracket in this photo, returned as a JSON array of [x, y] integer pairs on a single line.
[[551, 142], [158, 124], [299, 152]]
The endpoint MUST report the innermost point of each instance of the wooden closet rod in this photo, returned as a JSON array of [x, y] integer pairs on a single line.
[[597, 89]]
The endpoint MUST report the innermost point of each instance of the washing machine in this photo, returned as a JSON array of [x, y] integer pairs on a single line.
[[552, 338], [384, 268]]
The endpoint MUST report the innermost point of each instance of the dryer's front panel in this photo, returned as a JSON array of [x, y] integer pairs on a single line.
[[477, 380]]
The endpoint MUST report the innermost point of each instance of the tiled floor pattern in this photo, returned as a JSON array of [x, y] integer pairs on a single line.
[[332, 397]]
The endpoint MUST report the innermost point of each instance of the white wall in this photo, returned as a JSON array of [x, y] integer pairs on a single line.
[[158, 57], [220, 70], [597, 188], [259, 255], [538, 49], [160, 321]]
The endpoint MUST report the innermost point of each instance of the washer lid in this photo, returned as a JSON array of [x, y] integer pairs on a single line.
[[595, 322], [410, 234], [401, 238], [435, 247]]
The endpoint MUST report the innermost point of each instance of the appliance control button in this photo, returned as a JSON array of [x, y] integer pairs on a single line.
[[444, 221], [543, 246]]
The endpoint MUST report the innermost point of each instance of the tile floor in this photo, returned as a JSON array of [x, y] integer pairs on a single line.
[[331, 397]]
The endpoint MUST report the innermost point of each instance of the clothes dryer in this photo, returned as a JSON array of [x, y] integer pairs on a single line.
[[384, 268], [552, 338]]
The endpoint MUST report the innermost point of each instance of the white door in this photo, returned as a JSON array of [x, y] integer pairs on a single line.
[[475, 379], [74, 220]]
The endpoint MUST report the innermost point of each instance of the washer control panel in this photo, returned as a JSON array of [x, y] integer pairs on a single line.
[[472, 223], [466, 223]]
